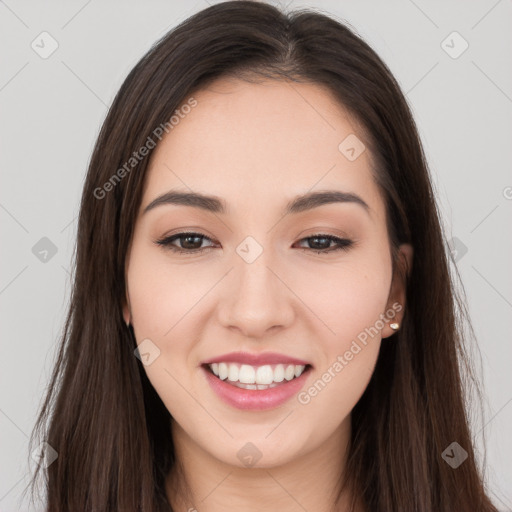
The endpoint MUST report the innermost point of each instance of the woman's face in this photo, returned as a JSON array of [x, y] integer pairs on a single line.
[[268, 279]]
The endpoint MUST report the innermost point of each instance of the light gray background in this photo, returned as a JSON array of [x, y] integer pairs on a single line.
[[52, 109]]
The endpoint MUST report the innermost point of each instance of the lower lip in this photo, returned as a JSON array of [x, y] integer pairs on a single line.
[[256, 399]]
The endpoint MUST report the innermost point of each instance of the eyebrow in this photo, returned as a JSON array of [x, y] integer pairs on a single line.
[[214, 204]]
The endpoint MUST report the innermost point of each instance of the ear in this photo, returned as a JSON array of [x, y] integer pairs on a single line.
[[397, 293], [127, 315], [126, 309]]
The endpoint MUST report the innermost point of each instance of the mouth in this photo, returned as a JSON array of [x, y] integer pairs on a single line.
[[255, 388], [257, 378]]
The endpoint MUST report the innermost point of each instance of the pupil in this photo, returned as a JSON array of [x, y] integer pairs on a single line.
[[187, 238], [320, 244]]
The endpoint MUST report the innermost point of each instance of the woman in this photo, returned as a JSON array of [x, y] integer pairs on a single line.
[[262, 315]]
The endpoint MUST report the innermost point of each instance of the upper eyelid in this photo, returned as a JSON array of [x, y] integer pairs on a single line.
[[202, 235], [176, 236]]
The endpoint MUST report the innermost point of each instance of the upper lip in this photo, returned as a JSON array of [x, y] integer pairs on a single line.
[[256, 359]]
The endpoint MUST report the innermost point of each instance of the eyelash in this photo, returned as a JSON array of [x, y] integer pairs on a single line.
[[343, 244]]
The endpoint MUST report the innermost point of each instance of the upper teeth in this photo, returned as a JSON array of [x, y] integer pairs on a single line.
[[248, 374]]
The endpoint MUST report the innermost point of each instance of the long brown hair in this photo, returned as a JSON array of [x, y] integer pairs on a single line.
[[101, 414]]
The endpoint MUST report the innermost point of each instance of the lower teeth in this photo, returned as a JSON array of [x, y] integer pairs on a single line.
[[254, 386]]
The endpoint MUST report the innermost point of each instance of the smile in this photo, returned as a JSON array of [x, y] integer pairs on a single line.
[[255, 388]]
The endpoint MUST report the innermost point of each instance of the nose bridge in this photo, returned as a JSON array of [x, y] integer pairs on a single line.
[[253, 277], [257, 299]]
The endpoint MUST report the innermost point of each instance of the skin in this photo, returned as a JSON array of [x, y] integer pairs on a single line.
[[257, 146]]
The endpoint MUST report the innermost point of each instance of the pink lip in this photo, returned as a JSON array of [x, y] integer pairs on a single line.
[[255, 399], [256, 359]]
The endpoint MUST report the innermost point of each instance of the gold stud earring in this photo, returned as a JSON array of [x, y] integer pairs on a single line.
[[394, 326], [128, 324]]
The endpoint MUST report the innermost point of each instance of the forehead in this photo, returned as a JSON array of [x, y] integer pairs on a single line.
[[254, 143]]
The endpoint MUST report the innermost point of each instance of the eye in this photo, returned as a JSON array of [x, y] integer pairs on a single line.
[[190, 243], [321, 243]]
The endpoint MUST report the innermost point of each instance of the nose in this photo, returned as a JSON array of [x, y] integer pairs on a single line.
[[256, 297]]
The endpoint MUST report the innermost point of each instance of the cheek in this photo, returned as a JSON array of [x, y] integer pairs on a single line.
[[346, 297], [350, 302], [160, 293], [162, 297]]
